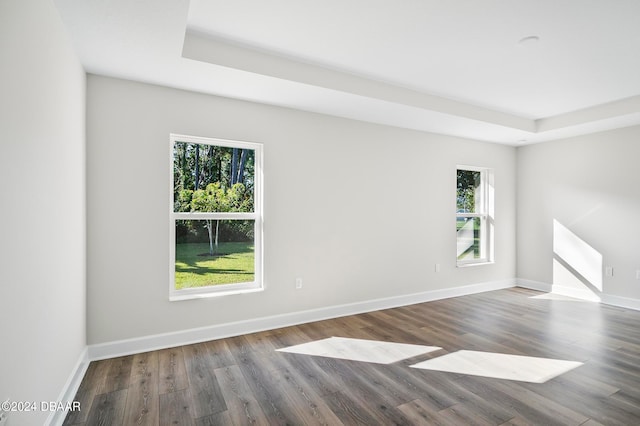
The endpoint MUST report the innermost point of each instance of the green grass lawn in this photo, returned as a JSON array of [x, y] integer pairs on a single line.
[[234, 265]]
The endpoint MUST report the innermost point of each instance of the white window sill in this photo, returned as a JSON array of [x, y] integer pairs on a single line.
[[179, 297], [470, 264]]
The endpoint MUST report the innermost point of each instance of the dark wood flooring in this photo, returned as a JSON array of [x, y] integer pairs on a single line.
[[243, 380]]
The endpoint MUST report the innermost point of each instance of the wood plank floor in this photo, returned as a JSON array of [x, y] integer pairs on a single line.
[[244, 380]]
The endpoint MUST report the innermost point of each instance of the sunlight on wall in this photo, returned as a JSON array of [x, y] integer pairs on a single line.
[[576, 264]]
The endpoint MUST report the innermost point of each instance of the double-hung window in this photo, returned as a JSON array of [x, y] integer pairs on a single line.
[[216, 217], [474, 215]]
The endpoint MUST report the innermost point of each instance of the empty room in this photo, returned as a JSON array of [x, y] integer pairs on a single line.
[[320, 212]]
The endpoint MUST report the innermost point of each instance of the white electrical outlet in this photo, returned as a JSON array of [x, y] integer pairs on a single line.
[[298, 283], [437, 268], [608, 271], [637, 274]]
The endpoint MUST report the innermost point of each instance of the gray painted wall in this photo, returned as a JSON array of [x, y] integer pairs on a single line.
[[590, 186], [42, 219], [359, 211]]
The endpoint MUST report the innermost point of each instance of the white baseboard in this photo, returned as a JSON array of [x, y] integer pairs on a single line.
[[185, 337], [583, 294], [534, 285], [621, 302], [576, 293], [70, 388]]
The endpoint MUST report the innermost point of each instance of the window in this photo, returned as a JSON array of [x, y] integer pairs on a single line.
[[216, 217], [474, 215]]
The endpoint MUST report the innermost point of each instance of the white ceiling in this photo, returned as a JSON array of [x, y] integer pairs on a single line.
[[453, 67]]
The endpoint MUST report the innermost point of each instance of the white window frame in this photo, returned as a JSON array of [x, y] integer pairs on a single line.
[[256, 216], [486, 211]]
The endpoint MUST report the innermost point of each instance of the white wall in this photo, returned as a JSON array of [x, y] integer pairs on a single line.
[[359, 211], [590, 186], [42, 219]]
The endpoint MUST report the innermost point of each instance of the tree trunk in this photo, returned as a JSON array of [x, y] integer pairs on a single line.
[[217, 233], [197, 166], [210, 231], [211, 163], [184, 164], [234, 166], [243, 159]]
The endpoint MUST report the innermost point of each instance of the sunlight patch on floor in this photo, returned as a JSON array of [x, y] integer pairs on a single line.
[[499, 366], [373, 351]]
